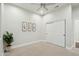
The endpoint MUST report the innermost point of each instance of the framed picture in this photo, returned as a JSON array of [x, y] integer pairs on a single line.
[[29, 26], [24, 26], [34, 27]]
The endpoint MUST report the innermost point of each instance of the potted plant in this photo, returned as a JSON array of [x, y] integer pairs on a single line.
[[7, 39]]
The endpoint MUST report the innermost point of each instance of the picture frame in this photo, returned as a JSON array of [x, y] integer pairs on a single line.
[[29, 26], [24, 26], [34, 27]]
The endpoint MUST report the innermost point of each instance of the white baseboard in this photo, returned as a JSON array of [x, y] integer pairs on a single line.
[[29, 43], [25, 44], [68, 48]]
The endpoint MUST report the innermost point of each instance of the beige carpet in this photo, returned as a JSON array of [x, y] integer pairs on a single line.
[[40, 49]]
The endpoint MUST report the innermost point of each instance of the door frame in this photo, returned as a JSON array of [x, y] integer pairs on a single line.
[[64, 29], [74, 45]]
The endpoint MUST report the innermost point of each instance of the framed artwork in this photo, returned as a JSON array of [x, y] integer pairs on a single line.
[[34, 27], [29, 26], [24, 26]]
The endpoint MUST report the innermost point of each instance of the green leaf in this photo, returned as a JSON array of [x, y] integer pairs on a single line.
[[8, 37]]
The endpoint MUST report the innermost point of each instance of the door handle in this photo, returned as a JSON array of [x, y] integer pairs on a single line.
[[64, 34]]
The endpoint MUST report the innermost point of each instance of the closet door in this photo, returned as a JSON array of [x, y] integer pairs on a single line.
[[56, 33]]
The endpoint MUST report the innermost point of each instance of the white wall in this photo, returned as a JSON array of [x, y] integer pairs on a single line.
[[13, 16], [75, 12], [12, 22], [1, 48], [63, 13], [76, 31], [75, 16], [1, 41]]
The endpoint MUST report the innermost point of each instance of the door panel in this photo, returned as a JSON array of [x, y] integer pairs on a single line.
[[56, 32]]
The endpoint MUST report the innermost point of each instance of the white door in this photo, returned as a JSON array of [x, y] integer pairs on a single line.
[[56, 32]]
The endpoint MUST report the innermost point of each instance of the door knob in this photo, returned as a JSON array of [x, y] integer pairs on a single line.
[[64, 34]]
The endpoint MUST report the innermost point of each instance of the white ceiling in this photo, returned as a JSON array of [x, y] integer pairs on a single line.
[[75, 5], [32, 7]]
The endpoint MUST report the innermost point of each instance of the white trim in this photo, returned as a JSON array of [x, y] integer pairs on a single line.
[[56, 20], [2, 18], [69, 48], [29, 43], [25, 44], [52, 43]]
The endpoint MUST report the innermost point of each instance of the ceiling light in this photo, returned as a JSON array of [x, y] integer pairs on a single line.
[[43, 9]]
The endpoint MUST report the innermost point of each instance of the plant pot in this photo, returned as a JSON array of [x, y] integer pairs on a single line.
[[8, 48]]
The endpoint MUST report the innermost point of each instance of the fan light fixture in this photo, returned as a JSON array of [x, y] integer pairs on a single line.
[[42, 10]]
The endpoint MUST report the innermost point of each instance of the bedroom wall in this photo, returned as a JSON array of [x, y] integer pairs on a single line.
[[1, 45], [63, 13], [13, 16], [12, 22], [75, 15]]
